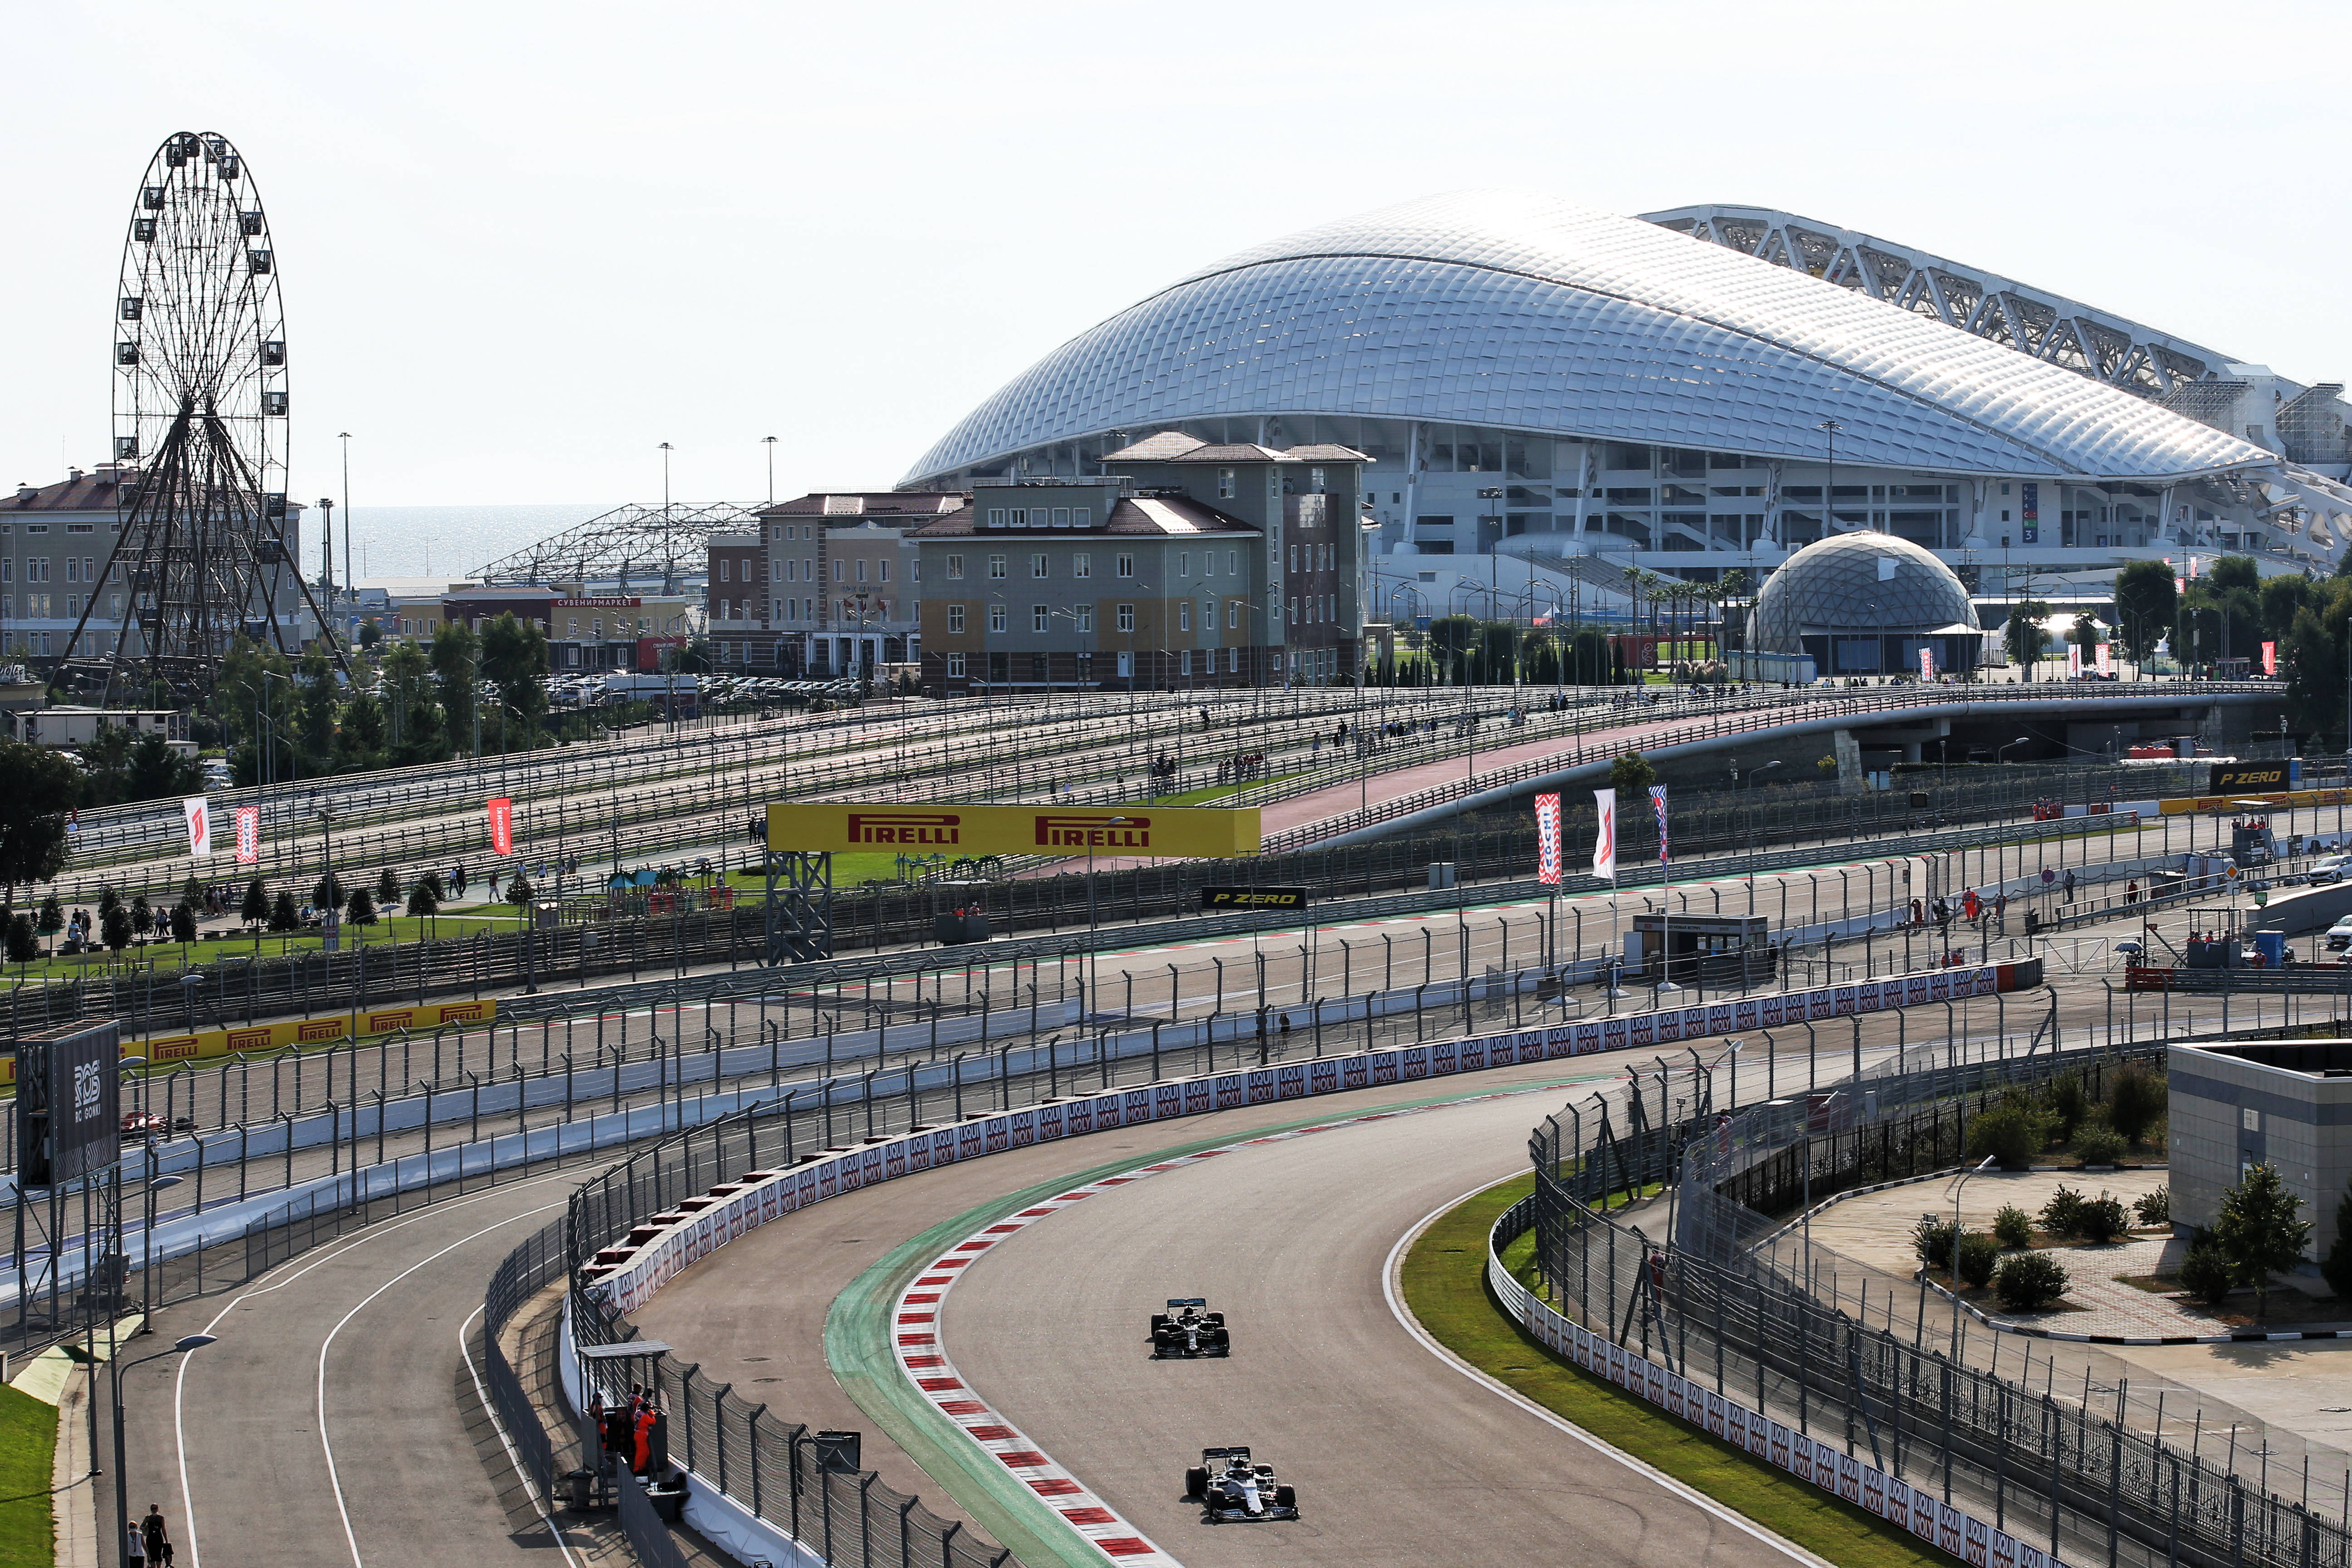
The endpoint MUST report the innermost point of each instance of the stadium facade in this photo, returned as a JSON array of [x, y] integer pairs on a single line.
[[1690, 392]]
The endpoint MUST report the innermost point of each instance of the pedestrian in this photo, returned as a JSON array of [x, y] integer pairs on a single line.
[[2131, 892], [134, 1548], [2070, 884], [159, 1540]]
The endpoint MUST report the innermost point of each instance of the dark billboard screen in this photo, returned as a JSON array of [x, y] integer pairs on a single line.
[[69, 1116]]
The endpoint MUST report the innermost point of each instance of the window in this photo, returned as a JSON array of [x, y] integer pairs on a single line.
[[1315, 480], [955, 568], [1086, 617], [955, 618], [792, 571], [1184, 617], [1293, 612], [996, 567], [836, 569], [1126, 617], [1224, 484], [571, 628], [1061, 516], [725, 567], [37, 569], [955, 667], [883, 573], [1126, 565], [1038, 618], [73, 569], [1294, 558], [1037, 566], [1082, 516], [1233, 660], [1082, 564], [1208, 563], [1233, 562], [1184, 563], [1208, 615], [996, 516], [808, 570], [861, 570], [996, 620], [1184, 662]]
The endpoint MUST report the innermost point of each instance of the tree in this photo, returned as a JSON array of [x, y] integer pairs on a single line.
[[256, 908], [361, 912], [327, 893], [2337, 1267], [114, 928], [424, 898], [412, 707], [157, 771], [1632, 774], [2282, 599], [514, 660], [2085, 632], [2138, 1101], [23, 945], [315, 709], [1451, 639], [37, 787], [252, 703], [2235, 572], [2022, 635], [52, 918], [369, 633], [359, 742], [142, 916], [184, 923], [387, 887], [2147, 598], [694, 658], [2258, 1232], [520, 893], [456, 661], [283, 915]]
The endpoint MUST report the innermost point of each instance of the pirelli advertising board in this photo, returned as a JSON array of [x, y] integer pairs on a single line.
[[1176, 832], [2247, 778]]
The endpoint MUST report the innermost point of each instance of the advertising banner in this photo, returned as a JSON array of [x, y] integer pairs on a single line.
[[955, 829], [2106, 658], [1604, 837], [68, 1102], [2270, 658], [1926, 664], [200, 825], [1252, 898], [501, 825], [1548, 839], [248, 835], [2073, 659], [1658, 802], [2246, 778]]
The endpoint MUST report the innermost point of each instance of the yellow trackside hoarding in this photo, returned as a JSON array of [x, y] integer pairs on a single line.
[[305, 1032], [1183, 832]]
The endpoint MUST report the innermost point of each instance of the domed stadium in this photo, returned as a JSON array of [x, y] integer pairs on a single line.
[[1866, 604], [1688, 392]]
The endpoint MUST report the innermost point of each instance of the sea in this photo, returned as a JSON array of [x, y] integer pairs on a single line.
[[451, 541]]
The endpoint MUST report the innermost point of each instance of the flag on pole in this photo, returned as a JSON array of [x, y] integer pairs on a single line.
[[1604, 836], [2073, 659], [1548, 839], [200, 825], [1926, 664], [502, 825], [1658, 802], [2106, 658], [2270, 658], [248, 835]]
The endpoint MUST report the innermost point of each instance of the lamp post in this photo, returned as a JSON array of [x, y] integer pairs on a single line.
[[1999, 755], [770, 442], [665, 452], [1957, 1187], [327, 560], [1748, 785], [122, 1486], [349, 582], [1831, 429], [1093, 968]]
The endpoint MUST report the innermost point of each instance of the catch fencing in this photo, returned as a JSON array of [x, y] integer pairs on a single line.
[[1736, 1311]]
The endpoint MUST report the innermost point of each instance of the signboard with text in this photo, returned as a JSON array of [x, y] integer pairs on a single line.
[[1172, 832], [2246, 776], [68, 1101], [1252, 898]]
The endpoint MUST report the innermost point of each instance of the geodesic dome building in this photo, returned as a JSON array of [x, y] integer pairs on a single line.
[[1866, 604]]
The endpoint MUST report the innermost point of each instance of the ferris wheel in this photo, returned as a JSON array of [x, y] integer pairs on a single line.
[[202, 553]]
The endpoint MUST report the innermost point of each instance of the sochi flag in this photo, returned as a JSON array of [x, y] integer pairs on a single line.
[[2073, 659], [502, 825], [248, 835], [2270, 658], [1658, 802], [2106, 658], [1604, 835], [1926, 664], [1548, 839], [200, 825]]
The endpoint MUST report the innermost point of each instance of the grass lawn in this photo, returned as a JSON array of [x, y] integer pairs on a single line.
[[170, 954], [28, 1438], [1444, 1283]]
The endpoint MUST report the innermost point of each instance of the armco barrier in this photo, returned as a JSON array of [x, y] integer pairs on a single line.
[[627, 1275], [1819, 1464]]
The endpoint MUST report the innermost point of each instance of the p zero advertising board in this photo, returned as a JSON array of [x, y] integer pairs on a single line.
[[1252, 898], [69, 1117], [2252, 778], [1178, 832]]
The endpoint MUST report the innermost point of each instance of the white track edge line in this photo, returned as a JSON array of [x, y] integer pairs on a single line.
[[1647, 1471], [530, 1487]]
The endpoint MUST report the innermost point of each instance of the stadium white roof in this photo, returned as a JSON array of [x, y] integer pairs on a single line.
[[1525, 312]]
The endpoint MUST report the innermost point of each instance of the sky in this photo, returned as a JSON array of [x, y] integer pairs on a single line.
[[523, 246]]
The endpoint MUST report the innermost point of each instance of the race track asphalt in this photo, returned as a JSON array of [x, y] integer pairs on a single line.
[[1398, 1455]]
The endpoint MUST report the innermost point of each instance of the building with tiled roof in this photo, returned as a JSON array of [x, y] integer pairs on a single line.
[[826, 586]]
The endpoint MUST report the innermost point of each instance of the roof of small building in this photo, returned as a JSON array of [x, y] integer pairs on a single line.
[[1162, 516], [868, 503]]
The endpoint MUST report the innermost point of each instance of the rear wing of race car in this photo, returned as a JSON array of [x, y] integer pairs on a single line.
[[1177, 1301], [1209, 1454]]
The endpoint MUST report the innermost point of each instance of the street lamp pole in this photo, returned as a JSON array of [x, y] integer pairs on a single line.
[[1957, 1188], [770, 442], [350, 584], [122, 1488]]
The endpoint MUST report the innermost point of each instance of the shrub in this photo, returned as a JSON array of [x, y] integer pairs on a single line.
[[2014, 1228], [2258, 1231], [23, 945], [2138, 1100], [1979, 1256], [2155, 1209], [2099, 1145], [2028, 1281], [2009, 1135], [2206, 1273], [2102, 1219], [2059, 1215], [2067, 1103], [1931, 1238]]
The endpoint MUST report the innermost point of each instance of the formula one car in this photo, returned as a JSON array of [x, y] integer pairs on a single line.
[[1231, 1489], [1187, 1331]]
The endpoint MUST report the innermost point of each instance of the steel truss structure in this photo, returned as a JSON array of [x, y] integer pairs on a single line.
[[2198, 383], [669, 542], [201, 555]]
